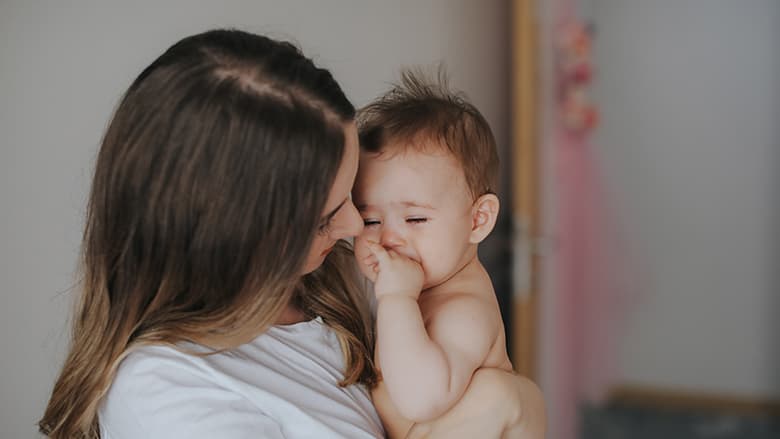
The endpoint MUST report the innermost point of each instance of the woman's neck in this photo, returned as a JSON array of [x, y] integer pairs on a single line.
[[290, 315]]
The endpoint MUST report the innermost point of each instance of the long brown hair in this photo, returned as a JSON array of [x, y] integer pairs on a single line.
[[207, 193]]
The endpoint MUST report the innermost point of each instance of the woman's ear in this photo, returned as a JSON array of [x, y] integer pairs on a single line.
[[484, 215]]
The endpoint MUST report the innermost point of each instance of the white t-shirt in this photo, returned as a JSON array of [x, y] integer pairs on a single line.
[[283, 384]]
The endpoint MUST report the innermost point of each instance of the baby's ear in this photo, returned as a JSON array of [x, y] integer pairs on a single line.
[[484, 215]]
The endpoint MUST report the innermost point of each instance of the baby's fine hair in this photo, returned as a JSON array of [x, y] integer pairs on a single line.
[[420, 113]]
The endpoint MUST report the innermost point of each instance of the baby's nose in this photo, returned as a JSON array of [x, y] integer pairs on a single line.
[[391, 238]]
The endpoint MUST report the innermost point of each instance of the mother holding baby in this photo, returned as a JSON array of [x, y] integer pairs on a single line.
[[220, 297]]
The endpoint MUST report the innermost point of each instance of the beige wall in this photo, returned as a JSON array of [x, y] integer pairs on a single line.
[[690, 144]]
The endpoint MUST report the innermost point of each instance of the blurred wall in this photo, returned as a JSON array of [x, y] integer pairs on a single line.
[[690, 144], [63, 67]]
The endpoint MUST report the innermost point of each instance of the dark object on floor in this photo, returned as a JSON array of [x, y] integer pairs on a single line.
[[628, 422]]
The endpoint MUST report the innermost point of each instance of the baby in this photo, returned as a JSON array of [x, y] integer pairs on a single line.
[[426, 191]]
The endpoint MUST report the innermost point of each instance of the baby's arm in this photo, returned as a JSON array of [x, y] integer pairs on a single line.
[[426, 370]]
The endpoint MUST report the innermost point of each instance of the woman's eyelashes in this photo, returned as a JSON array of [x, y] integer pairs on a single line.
[[325, 227]]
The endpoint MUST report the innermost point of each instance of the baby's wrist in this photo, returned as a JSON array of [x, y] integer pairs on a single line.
[[397, 296]]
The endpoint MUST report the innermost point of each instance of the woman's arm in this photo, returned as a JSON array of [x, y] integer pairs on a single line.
[[497, 404]]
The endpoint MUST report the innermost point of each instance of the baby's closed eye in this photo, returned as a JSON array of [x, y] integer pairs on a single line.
[[368, 222]]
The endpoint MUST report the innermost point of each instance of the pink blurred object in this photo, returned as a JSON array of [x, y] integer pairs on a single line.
[[585, 300], [588, 302], [574, 71]]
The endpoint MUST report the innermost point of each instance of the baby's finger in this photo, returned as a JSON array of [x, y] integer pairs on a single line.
[[370, 260], [378, 251]]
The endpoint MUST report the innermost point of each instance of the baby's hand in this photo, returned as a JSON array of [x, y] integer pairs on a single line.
[[395, 273]]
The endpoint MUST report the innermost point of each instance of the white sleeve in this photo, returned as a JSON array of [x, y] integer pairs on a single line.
[[168, 401]]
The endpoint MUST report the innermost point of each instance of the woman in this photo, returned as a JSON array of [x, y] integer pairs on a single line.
[[220, 298]]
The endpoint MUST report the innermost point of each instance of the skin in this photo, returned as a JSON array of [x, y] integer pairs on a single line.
[[418, 206], [497, 403], [339, 220], [438, 320]]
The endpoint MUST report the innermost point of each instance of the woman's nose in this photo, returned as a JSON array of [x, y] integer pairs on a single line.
[[350, 223]]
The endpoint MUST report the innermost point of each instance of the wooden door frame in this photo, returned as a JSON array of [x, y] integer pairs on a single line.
[[525, 185]]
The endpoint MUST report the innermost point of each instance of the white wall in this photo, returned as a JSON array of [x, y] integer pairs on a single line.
[[690, 95], [63, 66]]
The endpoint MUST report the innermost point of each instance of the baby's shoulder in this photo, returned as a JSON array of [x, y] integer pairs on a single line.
[[464, 320], [459, 307]]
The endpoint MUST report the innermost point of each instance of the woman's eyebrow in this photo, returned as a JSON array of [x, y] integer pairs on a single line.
[[333, 212]]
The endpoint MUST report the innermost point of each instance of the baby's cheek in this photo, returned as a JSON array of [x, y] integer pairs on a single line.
[[369, 233], [361, 249], [361, 253]]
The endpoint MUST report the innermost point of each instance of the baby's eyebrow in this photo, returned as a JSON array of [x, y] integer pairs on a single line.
[[364, 207], [415, 204]]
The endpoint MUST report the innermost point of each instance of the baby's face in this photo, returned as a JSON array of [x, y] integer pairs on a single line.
[[417, 204]]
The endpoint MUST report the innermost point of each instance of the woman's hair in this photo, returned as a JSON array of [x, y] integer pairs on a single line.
[[208, 189]]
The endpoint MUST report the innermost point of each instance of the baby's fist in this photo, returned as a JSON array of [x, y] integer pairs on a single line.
[[395, 273]]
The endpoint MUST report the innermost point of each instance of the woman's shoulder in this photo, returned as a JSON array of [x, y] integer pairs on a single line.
[[150, 371], [165, 391], [149, 375], [286, 379]]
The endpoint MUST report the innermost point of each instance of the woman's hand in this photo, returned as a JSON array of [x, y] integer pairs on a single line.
[[497, 404], [393, 274]]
